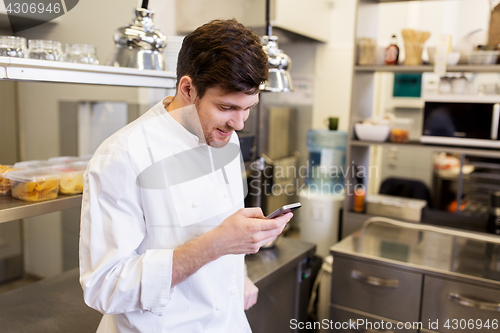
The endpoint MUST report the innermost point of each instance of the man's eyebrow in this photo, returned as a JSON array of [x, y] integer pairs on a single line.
[[234, 106]]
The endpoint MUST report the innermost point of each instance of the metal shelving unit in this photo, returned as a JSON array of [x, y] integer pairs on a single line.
[[33, 70], [363, 94], [14, 209], [20, 69], [495, 153], [428, 68]]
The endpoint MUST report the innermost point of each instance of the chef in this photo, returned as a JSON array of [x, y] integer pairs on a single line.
[[163, 228]]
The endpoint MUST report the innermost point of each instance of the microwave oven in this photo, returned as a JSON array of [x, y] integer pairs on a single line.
[[461, 124]]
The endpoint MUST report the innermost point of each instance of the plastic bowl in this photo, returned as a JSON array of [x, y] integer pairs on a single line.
[[369, 132], [483, 57]]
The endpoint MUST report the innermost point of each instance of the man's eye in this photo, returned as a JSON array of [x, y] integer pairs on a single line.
[[225, 108]]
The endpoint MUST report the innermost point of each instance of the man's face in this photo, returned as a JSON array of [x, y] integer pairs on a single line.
[[222, 113]]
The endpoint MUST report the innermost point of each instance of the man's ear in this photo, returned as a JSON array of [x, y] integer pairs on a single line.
[[186, 90]]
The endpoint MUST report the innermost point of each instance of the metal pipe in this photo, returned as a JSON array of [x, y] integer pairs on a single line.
[[460, 186], [268, 19]]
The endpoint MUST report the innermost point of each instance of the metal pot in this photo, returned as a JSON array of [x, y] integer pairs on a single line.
[[139, 45]]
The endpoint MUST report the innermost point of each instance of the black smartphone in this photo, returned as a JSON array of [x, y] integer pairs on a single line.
[[283, 210]]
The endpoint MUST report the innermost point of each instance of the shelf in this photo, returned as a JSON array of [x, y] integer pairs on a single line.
[[406, 102], [433, 217], [63, 72], [450, 98], [428, 68], [14, 209], [416, 144]]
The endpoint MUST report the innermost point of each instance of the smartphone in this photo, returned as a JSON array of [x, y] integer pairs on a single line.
[[283, 210]]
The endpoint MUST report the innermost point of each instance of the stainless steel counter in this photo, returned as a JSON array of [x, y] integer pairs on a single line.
[[442, 253], [56, 304], [415, 273]]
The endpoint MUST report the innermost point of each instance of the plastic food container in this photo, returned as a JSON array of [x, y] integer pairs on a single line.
[[34, 184], [400, 131], [34, 164], [483, 57], [4, 181], [71, 177], [63, 159]]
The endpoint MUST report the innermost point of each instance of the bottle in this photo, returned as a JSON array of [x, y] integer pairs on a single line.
[[359, 193], [494, 219], [392, 52]]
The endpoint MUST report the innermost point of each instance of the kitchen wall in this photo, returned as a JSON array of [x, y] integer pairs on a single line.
[[333, 67]]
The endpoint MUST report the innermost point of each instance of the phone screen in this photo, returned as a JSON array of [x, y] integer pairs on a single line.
[[283, 210]]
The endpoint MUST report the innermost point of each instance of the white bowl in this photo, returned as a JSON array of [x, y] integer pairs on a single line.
[[452, 58], [369, 132]]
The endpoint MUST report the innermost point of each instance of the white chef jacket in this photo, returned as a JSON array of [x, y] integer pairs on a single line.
[[129, 232]]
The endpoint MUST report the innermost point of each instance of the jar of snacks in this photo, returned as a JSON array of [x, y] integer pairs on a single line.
[[367, 48], [45, 50], [34, 184], [11, 46], [400, 131], [81, 53]]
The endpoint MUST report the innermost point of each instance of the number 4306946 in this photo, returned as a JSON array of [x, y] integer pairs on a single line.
[[471, 324], [32, 8]]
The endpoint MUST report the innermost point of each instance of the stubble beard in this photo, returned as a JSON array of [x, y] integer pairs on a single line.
[[208, 133]]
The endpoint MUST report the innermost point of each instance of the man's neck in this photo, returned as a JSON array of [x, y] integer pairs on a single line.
[[187, 117]]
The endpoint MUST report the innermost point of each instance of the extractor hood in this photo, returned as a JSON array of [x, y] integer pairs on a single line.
[[292, 20]]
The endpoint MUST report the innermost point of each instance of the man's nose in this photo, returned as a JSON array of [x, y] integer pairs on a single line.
[[237, 121]]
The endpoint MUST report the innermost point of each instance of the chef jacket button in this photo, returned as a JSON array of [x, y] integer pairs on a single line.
[[195, 204], [233, 291], [217, 307], [174, 153]]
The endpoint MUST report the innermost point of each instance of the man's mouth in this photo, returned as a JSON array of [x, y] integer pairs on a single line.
[[224, 133]]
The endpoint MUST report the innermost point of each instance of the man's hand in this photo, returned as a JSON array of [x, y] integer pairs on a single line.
[[251, 293], [243, 232], [246, 231]]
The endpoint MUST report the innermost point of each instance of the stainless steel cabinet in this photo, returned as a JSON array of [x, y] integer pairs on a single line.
[[417, 274], [389, 293], [354, 321], [460, 306]]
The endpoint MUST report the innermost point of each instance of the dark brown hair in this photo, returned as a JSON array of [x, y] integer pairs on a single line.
[[223, 53]]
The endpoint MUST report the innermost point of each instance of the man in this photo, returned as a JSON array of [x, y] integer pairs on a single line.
[[163, 232]]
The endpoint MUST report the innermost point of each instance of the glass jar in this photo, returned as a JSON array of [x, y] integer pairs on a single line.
[[81, 53], [459, 85], [445, 85], [400, 131], [11, 46], [45, 50]]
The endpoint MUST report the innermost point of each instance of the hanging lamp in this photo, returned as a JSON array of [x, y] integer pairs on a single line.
[[279, 63]]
